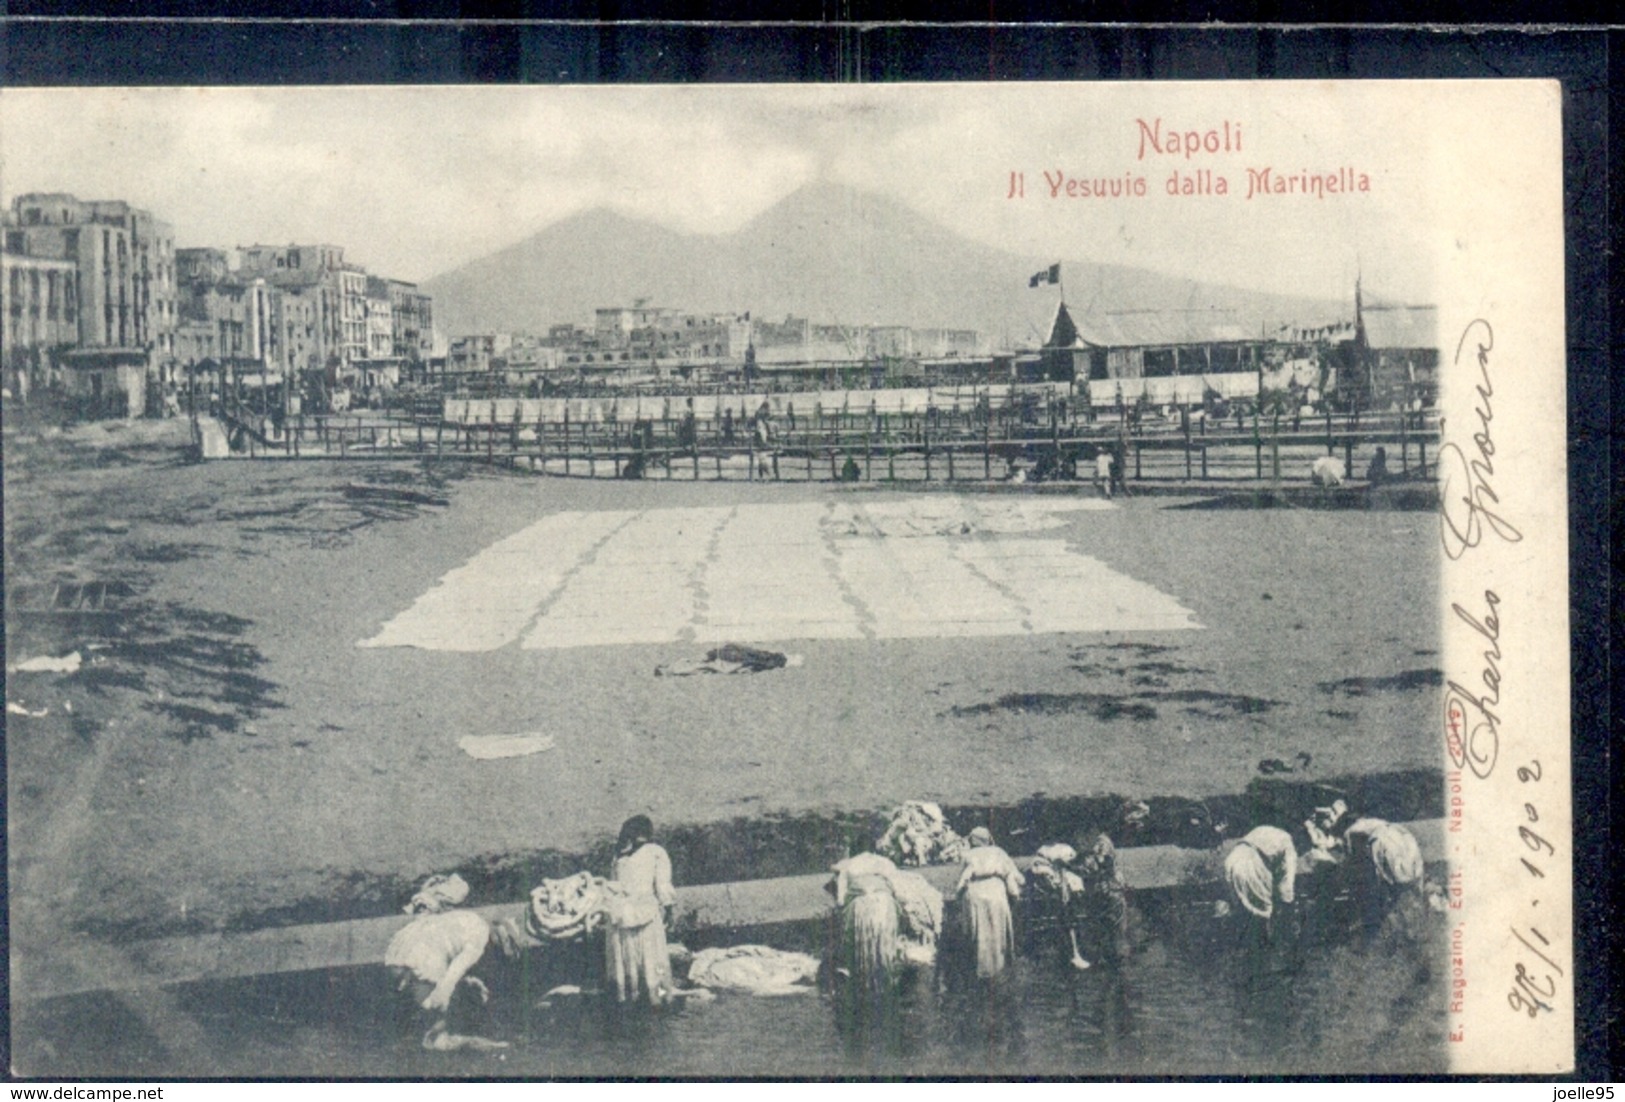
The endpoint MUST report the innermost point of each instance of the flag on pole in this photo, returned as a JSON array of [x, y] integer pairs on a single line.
[[1052, 274]]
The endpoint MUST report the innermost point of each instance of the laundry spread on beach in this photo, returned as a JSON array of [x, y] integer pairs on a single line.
[[748, 575]]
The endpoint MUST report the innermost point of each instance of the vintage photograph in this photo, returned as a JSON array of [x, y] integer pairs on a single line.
[[816, 581]]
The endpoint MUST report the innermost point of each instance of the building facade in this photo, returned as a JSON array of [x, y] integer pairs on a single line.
[[94, 277], [413, 319], [39, 318]]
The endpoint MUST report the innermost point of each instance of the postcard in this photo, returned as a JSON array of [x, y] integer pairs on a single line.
[[1030, 579]]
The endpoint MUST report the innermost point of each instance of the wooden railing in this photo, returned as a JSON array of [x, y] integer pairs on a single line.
[[962, 445]]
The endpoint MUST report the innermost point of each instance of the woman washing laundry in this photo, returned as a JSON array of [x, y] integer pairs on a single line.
[[636, 957], [1383, 859], [869, 950], [430, 958], [865, 962], [987, 883], [1261, 871], [1103, 907], [1057, 900]]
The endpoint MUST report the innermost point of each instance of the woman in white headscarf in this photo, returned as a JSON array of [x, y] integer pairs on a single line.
[[987, 883]]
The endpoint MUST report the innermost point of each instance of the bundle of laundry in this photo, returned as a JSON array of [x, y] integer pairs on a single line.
[[731, 658], [753, 970], [571, 906], [1051, 870], [918, 834], [922, 916], [437, 894]]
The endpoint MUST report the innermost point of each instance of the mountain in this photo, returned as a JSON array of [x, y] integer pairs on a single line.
[[828, 253]]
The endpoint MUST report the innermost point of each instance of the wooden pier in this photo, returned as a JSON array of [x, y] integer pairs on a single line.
[[959, 443]]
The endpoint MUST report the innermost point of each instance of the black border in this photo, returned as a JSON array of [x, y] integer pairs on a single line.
[[181, 42]]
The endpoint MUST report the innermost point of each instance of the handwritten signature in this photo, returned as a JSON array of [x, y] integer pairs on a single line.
[[1468, 502], [1472, 723]]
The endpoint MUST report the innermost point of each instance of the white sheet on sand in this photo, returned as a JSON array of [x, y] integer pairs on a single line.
[[753, 970], [68, 663], [938, 566], [489, 747]]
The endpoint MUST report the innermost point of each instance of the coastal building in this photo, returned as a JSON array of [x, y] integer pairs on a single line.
[[39, 318], [352, 282], [478, 353], [1401, 345], [1165, 357], [312, 275], [122, 291], [413, 320]]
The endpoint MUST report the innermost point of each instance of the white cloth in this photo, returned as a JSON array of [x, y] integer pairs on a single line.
[[1328, 470], [438, 893], [489, 747], [753, 970]]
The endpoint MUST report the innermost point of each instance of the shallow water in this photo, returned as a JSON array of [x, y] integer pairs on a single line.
[[1189, 1000]]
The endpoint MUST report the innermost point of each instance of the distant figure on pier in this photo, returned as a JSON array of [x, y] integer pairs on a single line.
[[728, 427], [637, 960], [430, 959], [987, 884], [688, 435], [1377, 472], [1120, 464], [762, 426], [1104, 462]]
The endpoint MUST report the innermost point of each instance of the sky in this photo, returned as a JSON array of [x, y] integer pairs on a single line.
[[416, 181]]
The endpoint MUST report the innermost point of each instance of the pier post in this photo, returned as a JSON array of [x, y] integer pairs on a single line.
[[1185, 419], [1258, 449]]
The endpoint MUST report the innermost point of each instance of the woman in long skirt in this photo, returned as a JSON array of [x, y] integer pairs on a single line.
[[871, 946], [986, 885], [636, 956]]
